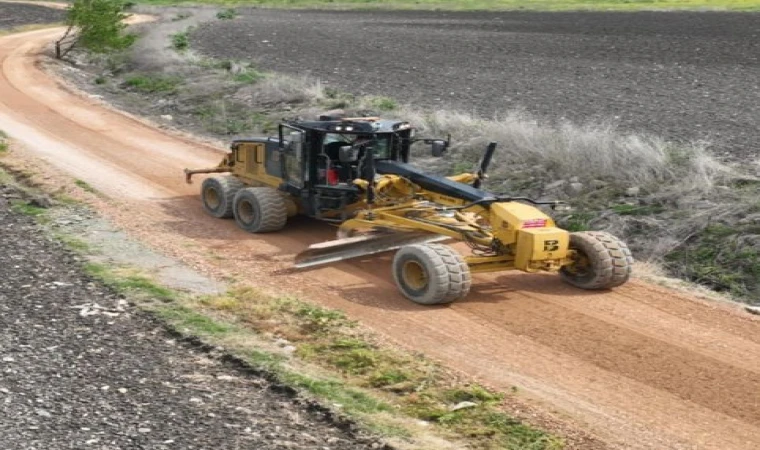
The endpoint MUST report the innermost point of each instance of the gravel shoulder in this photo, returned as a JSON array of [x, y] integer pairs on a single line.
[[685, 76], [81, 368]]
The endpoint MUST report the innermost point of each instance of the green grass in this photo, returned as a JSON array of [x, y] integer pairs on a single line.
[[85, 186], [577, 221], [27, 209], [335, 391], [383, 103], [722, 258], [370, 378], [227, 14], [128, 282], [351, 400], [490, 5], [248, 76], [4, 145], [199, 324], [154, 83], [75, 244], [180, 40]]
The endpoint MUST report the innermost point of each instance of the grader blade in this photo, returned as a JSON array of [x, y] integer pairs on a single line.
[[355, 247]]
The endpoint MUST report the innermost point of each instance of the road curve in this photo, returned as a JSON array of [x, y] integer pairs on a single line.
[[640, 367]]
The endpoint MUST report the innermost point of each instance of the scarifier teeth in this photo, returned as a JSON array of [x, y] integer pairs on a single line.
[[355, 247]]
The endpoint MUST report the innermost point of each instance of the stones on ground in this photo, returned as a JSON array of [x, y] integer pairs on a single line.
[[556, 185], [633, 191], [575, 188], [41, 201]]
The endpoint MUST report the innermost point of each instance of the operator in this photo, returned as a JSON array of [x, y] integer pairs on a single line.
[[332, 149]]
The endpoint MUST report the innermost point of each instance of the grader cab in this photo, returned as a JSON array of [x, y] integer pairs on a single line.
[[355, 173]]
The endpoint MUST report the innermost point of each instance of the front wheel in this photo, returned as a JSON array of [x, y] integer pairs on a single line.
[[431, 274], [602, 261]]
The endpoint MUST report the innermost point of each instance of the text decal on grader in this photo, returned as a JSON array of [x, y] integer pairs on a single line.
[[355, 172]]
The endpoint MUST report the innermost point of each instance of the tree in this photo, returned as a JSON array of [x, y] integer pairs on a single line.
[[95, 25]]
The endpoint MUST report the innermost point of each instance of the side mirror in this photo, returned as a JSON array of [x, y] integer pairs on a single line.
[[348, 154], [438, 148]]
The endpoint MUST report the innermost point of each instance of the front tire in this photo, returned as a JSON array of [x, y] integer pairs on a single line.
[[260, 210], [602, 261], [431, 274], [218, 194]]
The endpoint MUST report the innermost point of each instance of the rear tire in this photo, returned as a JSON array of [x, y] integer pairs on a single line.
[[260, 210], [218, 194], [431, 274], [603, 261]]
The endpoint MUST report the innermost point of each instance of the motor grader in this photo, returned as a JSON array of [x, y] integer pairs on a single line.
[[355, 173]]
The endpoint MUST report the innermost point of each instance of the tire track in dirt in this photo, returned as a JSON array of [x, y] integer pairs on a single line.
[[640, 367]]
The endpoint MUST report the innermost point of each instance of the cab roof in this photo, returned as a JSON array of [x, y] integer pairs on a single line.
[[353, 125]]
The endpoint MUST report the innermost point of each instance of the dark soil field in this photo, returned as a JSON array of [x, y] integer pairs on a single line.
[[15, 15], [685, 76]]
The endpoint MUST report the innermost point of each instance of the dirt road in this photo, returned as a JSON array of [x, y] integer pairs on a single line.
[[640, 367]]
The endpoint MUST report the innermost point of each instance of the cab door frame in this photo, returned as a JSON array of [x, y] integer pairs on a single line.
[[294, 158]]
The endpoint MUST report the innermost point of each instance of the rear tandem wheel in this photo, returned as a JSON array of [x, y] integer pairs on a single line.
[[260, 210], [431, 274], [217, 195]]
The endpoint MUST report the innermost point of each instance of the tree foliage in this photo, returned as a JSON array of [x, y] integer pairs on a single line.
[[95, 25]]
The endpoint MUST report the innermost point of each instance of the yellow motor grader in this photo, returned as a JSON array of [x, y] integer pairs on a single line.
[[355, 172]]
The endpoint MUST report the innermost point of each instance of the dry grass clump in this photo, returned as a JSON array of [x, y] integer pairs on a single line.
[[595, 151]]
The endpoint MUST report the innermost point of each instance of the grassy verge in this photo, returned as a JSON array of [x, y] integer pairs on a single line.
[[488, 5], [321, 352]]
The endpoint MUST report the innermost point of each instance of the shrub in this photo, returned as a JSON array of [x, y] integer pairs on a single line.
[[227, 14], [95, 25]]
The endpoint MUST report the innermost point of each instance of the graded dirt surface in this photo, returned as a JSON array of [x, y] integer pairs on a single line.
[[640, 367], [684, 76], [82, 369]]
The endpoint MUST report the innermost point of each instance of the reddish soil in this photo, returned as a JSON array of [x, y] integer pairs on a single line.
[[640, 367]]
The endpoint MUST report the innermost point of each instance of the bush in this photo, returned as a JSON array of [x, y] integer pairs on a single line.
[[227, 14], [95, 25], [180, 41]]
